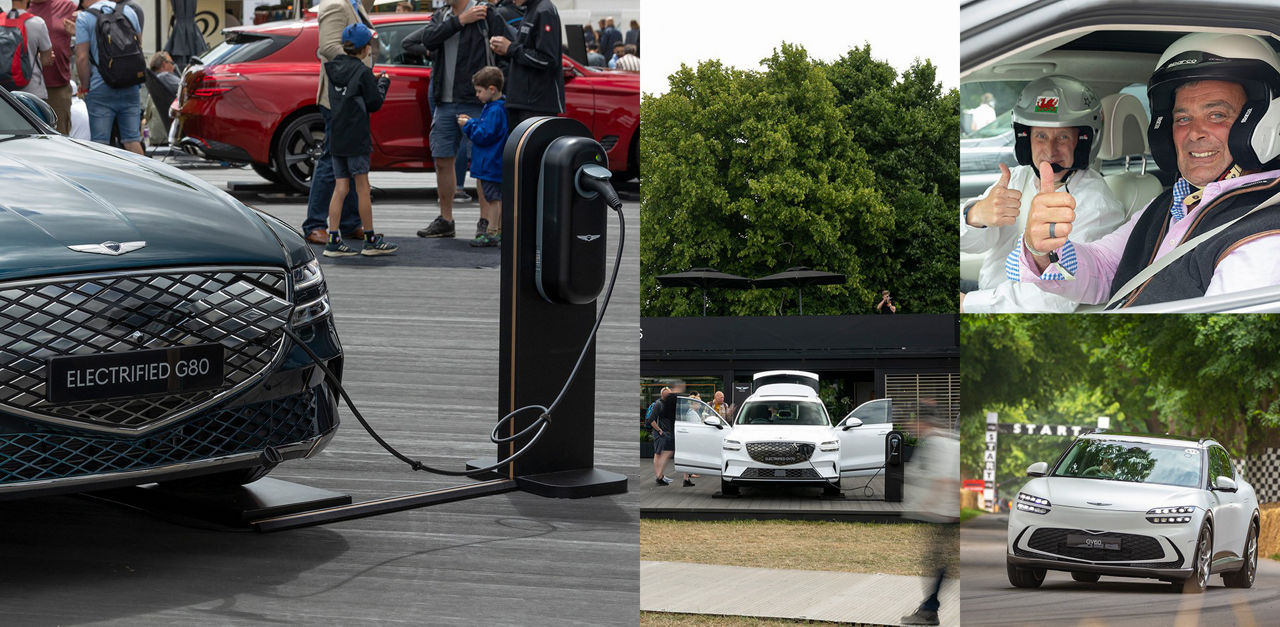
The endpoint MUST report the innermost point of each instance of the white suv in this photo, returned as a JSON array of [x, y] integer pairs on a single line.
[[781, 434], [1135, 505]]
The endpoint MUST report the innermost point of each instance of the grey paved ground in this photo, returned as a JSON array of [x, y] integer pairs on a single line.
[[864, 500], [421, 360], [798, 594], [989, 599]]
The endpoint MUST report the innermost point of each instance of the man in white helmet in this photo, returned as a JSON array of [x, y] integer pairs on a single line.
[[1057, 122], [1215, 121]]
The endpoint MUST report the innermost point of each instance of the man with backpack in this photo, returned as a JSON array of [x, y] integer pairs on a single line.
[[111, 67], [25, 48]]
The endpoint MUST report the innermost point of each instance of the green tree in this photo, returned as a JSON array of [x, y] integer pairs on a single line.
[[754, 172]]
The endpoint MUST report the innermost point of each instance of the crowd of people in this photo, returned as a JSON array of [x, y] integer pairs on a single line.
[[625, 49], [1053, 233]]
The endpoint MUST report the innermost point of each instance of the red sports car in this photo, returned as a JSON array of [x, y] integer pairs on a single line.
[[254, 101]]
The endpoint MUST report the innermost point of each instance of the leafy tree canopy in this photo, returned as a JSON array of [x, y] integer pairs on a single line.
[[842, 166]]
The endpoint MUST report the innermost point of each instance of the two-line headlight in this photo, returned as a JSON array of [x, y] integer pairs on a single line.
[[830, 445], [1171, 515], [731, 445], [310, 295], [1033, 504]]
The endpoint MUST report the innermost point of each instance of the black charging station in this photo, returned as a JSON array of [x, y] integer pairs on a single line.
[[894, 466], [553, 265]]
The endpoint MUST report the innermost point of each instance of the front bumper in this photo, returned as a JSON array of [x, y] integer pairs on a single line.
[[821, 469], [1147, 549]]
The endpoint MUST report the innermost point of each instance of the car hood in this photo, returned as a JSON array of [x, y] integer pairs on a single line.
[[60, 192], [786, 433], [1115, 496]]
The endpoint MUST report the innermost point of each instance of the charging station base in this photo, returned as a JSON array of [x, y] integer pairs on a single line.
[[577, 483], [574, 484], [236, 507]]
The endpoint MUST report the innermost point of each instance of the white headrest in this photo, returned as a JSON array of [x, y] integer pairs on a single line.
[[1125, 130]]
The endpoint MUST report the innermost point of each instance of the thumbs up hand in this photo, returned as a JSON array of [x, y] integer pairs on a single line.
[[998, 208], [1050, 217]]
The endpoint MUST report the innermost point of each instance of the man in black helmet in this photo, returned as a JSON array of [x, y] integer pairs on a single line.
[[1215, 121]]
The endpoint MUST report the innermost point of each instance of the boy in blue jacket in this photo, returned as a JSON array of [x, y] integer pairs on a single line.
[[488, 135], [353, 95]]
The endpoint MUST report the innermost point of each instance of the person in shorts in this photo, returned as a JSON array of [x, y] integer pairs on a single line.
[[107, 105], [353, 95]]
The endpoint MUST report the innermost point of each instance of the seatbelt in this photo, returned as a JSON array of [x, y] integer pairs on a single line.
[[1182, 249]]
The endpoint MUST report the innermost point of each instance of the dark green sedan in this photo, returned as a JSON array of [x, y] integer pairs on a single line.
[[143, 319]]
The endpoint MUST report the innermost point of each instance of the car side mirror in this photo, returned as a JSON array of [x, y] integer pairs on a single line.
[[569, 74], [1038, 469], [712, 421], [37, 106], [1225, 484], [850, 423]]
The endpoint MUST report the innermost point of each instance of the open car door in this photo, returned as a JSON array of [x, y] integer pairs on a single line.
[[862, 437], [698, 443]]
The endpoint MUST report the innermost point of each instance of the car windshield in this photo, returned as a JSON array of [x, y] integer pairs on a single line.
[[12, 122], [1132, 461], [783, 413]]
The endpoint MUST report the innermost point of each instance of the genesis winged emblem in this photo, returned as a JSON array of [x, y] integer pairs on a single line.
[[108, 248]]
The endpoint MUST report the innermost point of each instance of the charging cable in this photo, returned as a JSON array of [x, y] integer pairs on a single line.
[[588, 178]]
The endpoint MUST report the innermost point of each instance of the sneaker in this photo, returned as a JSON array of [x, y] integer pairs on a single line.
[[921, 617], [482, 227], [461, 196], [438, 228], [486, 240], [688, 483], [661, 483], [376, 245], [665, 480], [339, 248]]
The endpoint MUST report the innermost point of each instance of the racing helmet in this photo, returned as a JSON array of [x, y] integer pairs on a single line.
[[1058, 102], [1254, 140]]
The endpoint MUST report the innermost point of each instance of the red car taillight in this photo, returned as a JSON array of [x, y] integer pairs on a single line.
[[216, 85]]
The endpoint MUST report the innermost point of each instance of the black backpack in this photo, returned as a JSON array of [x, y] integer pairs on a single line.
[[15, 64], [120, 60]]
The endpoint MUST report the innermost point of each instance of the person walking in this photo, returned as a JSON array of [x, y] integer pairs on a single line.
[[112, 100]]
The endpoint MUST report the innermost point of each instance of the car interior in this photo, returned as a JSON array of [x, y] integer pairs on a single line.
[[1117, 65], [782, 413]]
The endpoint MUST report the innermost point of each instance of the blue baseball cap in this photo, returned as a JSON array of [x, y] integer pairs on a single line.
[[357, 35]]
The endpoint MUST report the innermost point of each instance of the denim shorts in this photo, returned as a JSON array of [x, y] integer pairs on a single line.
[[492, 190], [109, 106], [346, 167], [445, 132]]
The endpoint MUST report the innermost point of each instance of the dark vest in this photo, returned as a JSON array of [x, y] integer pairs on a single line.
[[1189, 276]]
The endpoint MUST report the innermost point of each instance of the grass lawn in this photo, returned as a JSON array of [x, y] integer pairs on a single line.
[[968, 512], [663, 619], [894, 548]]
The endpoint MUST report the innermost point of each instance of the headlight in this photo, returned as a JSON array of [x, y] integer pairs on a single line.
[[1033, 504], [830, 445], [732, 445], [1171, 515], [307, 275], [309, 294]]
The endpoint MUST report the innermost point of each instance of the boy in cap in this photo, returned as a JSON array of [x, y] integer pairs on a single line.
[[488, 135], [353, 95]]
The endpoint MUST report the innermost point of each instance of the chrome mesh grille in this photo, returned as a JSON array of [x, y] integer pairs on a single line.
[[1133, 547], [780, 473], [780, 453], [241, 309], [37, 456]]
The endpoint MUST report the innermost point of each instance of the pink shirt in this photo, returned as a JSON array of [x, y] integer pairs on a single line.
[[1254, 264], [57, 74]]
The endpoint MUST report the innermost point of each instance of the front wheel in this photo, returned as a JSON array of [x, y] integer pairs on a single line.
[[832, 489], [1243, 578], [297, 149], [1024, 577], [1199, 579], [728, 489], [266, 171], [1085, 577]]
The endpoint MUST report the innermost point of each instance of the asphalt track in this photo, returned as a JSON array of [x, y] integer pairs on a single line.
[[987, 598]]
